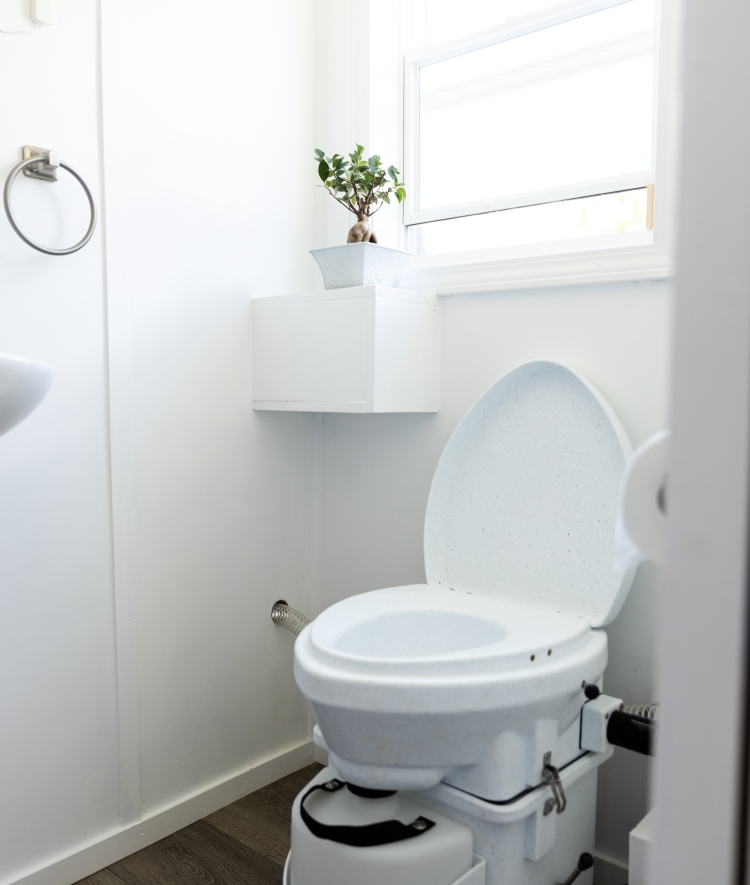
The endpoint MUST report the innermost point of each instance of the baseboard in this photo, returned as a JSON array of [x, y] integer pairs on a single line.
[[609, 871], [116, 844]]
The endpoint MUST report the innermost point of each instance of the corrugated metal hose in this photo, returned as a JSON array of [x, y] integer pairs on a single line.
[[283, 615]]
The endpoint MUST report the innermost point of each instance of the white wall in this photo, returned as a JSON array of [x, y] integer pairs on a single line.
[[703, 648], [221, 494], [130, 682], [377, 469], [58, 740]]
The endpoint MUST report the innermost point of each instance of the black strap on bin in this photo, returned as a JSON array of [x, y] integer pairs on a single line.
[[366, 836]]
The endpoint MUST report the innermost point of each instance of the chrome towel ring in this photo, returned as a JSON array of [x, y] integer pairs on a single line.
[[44, 165]]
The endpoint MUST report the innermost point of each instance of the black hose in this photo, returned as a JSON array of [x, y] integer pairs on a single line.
[[631, 732]]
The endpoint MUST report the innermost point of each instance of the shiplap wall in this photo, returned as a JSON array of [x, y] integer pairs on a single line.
[[149, 517]]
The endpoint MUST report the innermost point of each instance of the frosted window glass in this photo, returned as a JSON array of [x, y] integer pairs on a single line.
[[568, 220], [569, 104], [447, 20]]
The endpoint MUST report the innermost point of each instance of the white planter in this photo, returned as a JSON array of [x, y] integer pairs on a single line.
[[360, 264]]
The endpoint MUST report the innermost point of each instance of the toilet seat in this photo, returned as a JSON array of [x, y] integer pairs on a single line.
[[458, 672], [426, 630]]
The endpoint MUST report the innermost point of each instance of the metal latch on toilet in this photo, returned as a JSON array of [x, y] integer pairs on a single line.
[[551, 777]]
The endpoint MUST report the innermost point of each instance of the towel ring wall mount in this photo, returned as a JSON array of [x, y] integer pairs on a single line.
[[44, 165]]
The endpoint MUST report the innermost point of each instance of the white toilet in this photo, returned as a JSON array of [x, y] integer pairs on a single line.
[[474, 681]]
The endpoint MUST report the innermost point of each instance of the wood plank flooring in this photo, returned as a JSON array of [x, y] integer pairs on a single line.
[[245, 843]]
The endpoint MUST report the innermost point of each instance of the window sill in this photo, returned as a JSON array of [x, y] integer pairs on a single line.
[[625, 257]]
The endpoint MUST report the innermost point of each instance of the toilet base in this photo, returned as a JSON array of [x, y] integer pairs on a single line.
[[524, 841]]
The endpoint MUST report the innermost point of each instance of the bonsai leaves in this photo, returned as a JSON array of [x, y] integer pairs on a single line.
[[361, 185]]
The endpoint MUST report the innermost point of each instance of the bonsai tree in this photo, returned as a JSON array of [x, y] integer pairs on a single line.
[[361, 186]]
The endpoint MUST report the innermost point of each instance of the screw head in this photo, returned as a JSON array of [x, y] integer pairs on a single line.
[[420, 824]]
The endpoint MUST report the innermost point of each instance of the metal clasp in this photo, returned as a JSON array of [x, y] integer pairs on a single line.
[[551, 777]]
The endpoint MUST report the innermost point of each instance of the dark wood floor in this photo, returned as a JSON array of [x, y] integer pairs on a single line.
[[245, 843]]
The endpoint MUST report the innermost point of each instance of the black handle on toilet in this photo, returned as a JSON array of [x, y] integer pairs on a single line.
[[366, 836]]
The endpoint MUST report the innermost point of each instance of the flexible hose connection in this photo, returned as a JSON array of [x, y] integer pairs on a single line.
[[649, 711], [284, 615]]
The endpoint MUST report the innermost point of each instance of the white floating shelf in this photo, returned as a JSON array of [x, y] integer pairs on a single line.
[[360, 349]]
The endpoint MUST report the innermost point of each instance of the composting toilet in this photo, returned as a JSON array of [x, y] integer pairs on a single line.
[[468, 690]]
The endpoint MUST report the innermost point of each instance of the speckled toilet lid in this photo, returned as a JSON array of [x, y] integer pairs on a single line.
[[523, 502]]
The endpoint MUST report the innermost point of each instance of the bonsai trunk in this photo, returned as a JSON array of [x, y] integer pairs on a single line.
[[361, 232]]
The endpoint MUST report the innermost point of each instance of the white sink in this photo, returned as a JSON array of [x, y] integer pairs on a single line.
[[23, 385]]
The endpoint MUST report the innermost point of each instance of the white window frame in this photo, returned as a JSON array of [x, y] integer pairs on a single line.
[[634, 255]]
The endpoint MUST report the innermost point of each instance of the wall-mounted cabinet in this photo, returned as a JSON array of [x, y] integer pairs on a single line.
[[361, 349]]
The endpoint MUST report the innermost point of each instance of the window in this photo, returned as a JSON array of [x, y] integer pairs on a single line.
[[537, 129]]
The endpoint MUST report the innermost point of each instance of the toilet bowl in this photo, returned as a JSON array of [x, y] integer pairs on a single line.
[[412, 683], [475, 679]]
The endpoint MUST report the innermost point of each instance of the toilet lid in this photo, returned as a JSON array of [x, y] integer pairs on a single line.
[[523, 502]]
